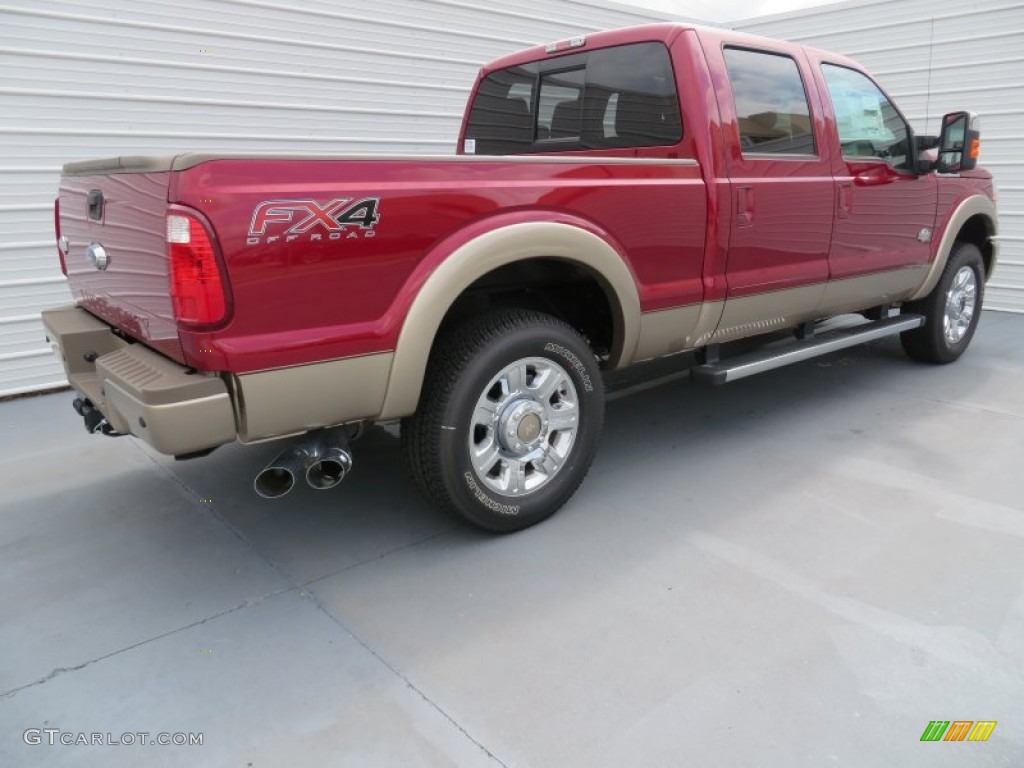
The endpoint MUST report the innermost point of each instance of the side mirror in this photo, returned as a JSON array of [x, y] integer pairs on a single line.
[[959, 143], [925, 161]]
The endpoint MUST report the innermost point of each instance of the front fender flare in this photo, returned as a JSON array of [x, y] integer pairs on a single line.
[[485, 253], [972, 206]]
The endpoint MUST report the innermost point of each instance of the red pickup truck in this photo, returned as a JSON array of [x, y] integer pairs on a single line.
[[615, 198]]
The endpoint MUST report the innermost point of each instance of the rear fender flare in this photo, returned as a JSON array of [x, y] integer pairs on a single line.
[[485, 253]]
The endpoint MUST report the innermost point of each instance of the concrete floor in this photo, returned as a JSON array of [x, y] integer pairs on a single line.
[[799, 569]]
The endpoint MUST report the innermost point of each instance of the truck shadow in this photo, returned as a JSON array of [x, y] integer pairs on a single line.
[[676, 461], [660, 450]]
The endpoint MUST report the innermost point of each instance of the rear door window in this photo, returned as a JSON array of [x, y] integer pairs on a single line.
[[614, 97], [771, 104]]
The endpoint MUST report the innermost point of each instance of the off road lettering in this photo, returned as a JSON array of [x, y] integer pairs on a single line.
[[295, 220]]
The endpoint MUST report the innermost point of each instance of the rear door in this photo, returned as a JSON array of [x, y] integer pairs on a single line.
[[782, 192]]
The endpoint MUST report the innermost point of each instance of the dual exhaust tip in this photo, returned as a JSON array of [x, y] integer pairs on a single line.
[[323, 459]]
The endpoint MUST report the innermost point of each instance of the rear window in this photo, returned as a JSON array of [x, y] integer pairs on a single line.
[[613, 97]]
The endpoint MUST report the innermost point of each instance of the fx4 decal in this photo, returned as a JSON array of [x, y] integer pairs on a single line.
[[290, 220]]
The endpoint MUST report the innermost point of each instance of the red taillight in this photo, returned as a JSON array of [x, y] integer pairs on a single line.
[[56, 231], [197, 286]]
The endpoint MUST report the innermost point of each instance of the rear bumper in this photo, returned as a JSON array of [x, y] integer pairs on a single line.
[[140, 392]]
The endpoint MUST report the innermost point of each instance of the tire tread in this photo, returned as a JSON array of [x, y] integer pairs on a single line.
[[452, 354], [927, 344]]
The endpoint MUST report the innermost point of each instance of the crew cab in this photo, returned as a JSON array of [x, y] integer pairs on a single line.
[[614, 198]]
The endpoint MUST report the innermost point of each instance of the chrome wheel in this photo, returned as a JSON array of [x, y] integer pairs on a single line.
[[961, 302], [509, 419], [523, 426]]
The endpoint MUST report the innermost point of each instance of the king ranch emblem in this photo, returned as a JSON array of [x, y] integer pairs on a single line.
[[309, 220]]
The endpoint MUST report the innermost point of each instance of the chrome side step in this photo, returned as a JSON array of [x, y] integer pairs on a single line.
[[742, 366]]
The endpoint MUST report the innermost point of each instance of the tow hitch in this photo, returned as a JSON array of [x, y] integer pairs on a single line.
[[95, 421]]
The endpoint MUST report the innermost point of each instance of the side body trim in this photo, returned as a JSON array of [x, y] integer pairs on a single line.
[[972, 206], [287, 401], [766, 312], [669, 331], [853, 293], [494, 249]]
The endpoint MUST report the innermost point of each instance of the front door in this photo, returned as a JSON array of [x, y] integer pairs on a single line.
[[885, 212]]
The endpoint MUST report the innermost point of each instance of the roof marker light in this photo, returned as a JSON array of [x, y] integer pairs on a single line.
[[564, 45]]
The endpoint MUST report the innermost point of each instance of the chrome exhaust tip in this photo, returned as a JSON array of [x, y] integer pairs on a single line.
[[323, 459], [278, 477], [330, 467]]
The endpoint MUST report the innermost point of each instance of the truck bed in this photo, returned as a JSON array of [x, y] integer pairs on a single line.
[[289, 266]]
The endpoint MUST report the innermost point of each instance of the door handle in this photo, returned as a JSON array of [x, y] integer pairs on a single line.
[[845, 202], [745, 206]]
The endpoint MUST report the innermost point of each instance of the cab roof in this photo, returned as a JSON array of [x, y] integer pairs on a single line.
[[665, 32]]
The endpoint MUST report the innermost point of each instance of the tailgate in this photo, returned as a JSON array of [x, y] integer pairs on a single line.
[[105, 206]]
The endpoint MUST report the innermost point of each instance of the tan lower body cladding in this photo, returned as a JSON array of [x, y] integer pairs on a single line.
[[680, 329], [293, 400], [176, 412]]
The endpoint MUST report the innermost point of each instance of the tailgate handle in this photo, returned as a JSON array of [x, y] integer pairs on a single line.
[[95, 204]]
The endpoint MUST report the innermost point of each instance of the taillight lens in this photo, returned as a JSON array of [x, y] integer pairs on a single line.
[[197, 286], [56, 231]]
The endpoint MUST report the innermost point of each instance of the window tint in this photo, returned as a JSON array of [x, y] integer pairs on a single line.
[[771, 103], [501, 121], [613, 97], [560, 109], [611, 114], [631, 98], [868, 123]]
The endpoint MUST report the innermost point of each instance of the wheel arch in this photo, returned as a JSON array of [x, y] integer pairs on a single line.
[[973, 220], [487, 253]]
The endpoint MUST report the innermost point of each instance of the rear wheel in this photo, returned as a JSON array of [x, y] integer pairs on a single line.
[[509, 419], [951, 311]]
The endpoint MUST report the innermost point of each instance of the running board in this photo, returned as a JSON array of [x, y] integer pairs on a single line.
[[742, 366]]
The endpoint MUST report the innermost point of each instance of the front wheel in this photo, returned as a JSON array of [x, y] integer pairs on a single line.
[[951, 311], [509, 419]]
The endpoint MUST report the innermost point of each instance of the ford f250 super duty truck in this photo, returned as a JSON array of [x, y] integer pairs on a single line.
[[615, 198]]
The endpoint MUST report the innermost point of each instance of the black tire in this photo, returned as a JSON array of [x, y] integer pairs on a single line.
[[464, 367], [931, 343]]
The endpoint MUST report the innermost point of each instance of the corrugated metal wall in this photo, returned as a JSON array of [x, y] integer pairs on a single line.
[[935, 58], [94, 78]]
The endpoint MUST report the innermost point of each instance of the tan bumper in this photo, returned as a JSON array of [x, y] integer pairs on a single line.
[[139, 391]]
